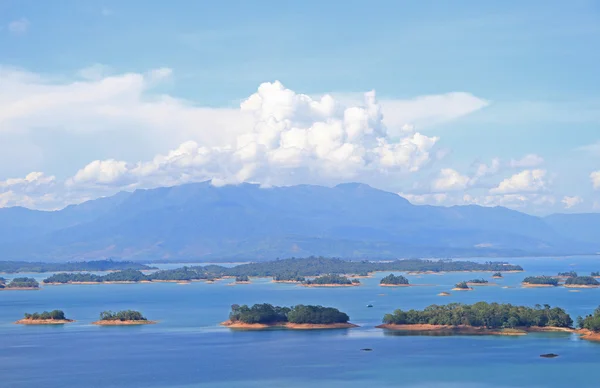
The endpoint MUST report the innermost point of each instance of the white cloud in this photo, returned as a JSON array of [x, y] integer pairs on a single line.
[[18, 27], [484, 170], [595, 177], [450, 180], [276, 136], [422, 199], [525, 181], [528, 161], [570, 202]]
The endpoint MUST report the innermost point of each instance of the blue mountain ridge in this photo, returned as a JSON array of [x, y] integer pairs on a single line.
[[199, 221]]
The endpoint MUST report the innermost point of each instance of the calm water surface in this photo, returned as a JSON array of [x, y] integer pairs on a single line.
[[189, 349]]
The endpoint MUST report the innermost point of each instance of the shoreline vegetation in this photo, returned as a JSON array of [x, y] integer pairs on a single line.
[[300, 317], [122, 318], [462, 286], [540, 281], [9, 267], [22, 283], [54, 317], [394, 281], [331, 281], [292, 270]]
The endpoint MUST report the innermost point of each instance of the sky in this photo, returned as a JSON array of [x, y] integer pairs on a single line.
[[444, 103]]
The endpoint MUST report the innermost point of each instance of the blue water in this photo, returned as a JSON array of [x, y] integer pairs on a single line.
[[189, 349]]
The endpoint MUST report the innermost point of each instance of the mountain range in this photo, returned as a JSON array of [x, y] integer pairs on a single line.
[[199, 221]]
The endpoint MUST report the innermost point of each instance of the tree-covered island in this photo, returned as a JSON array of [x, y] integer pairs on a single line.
[[582, 282], [394, 281], [92, 266], [497, 275], [479, 282], [184, 274], [540, 281], [262, 316], [331, 281], [569, 274], [462, 286], [22, 283], [54, 317], [595, 274], [242, 279], [288, 277], [480, 318], [125, 317]]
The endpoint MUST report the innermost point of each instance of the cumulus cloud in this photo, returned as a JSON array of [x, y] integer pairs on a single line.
[[595, 177], [18, 27], [570, 202], [525, 181], [450, 180], [275, 136], [528, 161], [291, 132]]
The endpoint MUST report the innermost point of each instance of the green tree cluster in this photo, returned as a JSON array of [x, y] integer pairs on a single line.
[[242, 278], [582, 281], [590, 322], [541, 280], [462, 285], [497, 274], [331, 279], [478, 281], [125, 315], [47, 315], [302, 314], [570, 274], [95, 265], [483, 314], [23, 283], [394, 280]]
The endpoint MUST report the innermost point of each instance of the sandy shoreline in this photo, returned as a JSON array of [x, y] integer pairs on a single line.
[[123, 323], [286, 281], [531, 285], [581, 286], [285, 325], [481, 284], [330, 285], [462, 289], [395, 285], [19, 288], [25, 321]]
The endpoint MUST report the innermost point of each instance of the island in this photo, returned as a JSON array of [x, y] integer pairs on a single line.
[[184, 274], [444, 294], [317, 266], [22, 283], [288, 277], [394, 281], [266, 316], [94, 266], [540, 281], [122, 318], [480, 282], [481, 318], [497, 275], [54, 317], [582, 282], [331, 281], [595, 274], [242, 279], [462, 286], [589, 327]]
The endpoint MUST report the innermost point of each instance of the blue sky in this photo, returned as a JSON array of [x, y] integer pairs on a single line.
[[533, 66]]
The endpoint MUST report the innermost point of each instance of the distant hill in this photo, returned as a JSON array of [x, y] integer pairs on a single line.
[[203, 222]]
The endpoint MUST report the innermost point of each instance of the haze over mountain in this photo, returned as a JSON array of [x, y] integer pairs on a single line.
[[201, 221]]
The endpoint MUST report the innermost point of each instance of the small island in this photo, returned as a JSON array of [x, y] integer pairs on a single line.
[[394, 281], [444, 294], [54, 317], [595, 274], [481, 318], [462, 286], [292, 278], [582, 282], [122, 318], [20, 284], [540, 281], [265, 316], [479, 282], [497, 275], [331, 281], [242, 279]]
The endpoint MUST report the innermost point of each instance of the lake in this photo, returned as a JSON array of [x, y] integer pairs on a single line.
[[188, 348]]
